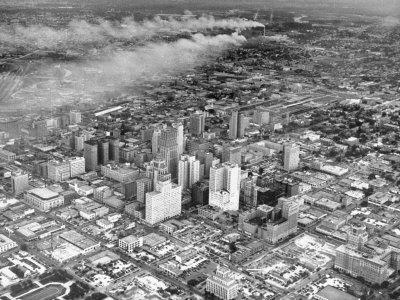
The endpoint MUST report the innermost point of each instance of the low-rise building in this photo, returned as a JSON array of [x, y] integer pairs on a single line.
[[43, 199], [130, 242]]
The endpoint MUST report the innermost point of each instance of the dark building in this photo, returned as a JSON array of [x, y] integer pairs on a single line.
[[200, 192]]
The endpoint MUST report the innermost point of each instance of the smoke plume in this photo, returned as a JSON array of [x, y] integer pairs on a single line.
[[119, 70], [80, 33]]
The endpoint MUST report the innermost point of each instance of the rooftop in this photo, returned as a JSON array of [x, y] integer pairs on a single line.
[[43, 193]]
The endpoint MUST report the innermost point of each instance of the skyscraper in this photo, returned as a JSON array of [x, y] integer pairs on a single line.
[[168, 149], [232, 154], [197, 123], [233, 125], [243, 123], [75, 117], [157, 170], [179, 137], [114, 150], [143, 186], [103, 151], [91, 155], [163, 203], [262, 116], [225, 186], [19, 183], [209, 161], [188, 171], [155, 140], [291, 156]]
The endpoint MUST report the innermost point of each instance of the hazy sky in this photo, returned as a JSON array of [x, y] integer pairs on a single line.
[[387, 7]]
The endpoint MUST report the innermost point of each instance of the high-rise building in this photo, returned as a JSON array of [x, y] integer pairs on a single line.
[[114, 149], [243, 123], [120, 173], [155, 140], [225, 186], [91, 155], [223, 284], [63, 170], [168, 149], [19, 183], [157, 170], [103, 151], [209, 161], [143, 186], [197, 123], [232, 155], [75, 117], [163, 203], [372, 265], [58, 170], [180, 139], [76, 166], [233, 125], [277, 223], [291, 157], [261, 116], [200, 193], [188, 171]]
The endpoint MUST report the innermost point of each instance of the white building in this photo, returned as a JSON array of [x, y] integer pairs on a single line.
[[163, 203], [19, 183], [63, 170], [43, 199], [75, 117], [222, 284], [188, 171], [6, 243], [291, 157], [154, 140], [225, 186], [179, 137], [130, 242]]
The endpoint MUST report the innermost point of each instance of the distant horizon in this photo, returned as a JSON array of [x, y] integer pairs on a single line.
[[374, 7]]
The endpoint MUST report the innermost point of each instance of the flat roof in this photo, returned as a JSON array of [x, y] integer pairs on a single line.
[[43, 193], [331, 293]]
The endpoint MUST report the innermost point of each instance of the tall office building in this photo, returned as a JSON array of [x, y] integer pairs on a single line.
[[154, 140], [114, 150], [58, 170], [209, 161], [291, 158], [180, 139], [168, 149], [200, 193], [103, 151], [223, 284], [75, 117], [163, 203], [233, 125], [63, 170], [19, 183], [143, 186], [197, 123], [76, 166], [188, 171], [232, 155], [157, 170], [262, 116], [91, 155], [225, 186], [243, 123]]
